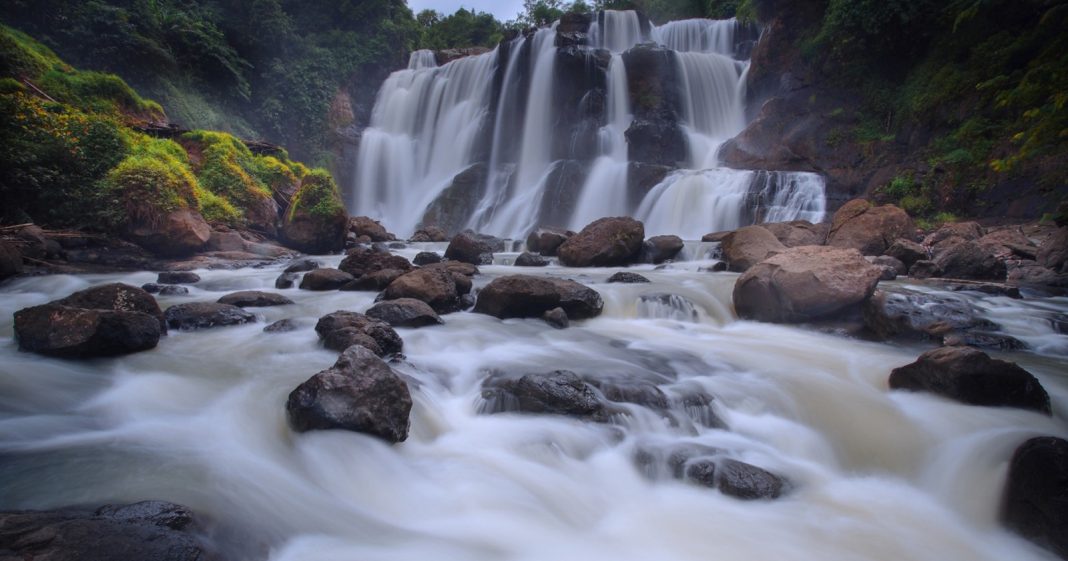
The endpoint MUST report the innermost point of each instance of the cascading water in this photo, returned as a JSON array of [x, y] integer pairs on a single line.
[[498, 142]]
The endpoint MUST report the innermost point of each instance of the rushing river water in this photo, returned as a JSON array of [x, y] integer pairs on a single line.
[[200, 420]]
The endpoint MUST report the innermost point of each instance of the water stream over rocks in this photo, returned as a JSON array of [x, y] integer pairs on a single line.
[[869, 473]]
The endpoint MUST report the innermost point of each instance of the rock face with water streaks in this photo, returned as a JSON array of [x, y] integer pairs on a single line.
[[970, 376], [358, 393], [108, 320], [523, 296], [135, 532], [805, 283], [1036, 496], [607, 242]]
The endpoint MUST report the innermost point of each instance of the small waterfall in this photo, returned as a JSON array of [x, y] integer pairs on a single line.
[[605, 191], [786, 196], [698, 36], [424, 129], [620, 30], [712, 89], [667, 306]]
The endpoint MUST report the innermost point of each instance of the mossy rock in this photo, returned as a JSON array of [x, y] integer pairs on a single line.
[[316, 220]]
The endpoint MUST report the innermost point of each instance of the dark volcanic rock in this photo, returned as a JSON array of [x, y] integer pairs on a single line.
[[429, 234], [57, 330], [373, 281], [527, 259], [451, 209], [426, 258], [1036, 494], [924, 269], [405, 312], [341, 330], [627, 278], [745, 481], [362, 261], [522, 296], [325, 279], [970, 376], [561, 392], [254, 299], [135, 532], [359, 393], [177, 277], [468, 247], [116, 296], [916, 315], [805, 283], [659, 249], [205, 315], [607, 242]]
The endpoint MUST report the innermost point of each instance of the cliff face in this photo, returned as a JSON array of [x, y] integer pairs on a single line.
[[960, 123]]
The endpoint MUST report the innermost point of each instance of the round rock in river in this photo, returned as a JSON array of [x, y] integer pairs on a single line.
[[524, 296]]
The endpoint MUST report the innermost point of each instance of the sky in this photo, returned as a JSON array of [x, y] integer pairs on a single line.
[[503, 10]]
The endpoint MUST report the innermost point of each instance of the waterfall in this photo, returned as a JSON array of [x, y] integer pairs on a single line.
[[605, 192], [534, 133], [424, 128]]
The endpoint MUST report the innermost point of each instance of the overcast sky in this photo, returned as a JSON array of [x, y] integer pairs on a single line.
[[503, 10]]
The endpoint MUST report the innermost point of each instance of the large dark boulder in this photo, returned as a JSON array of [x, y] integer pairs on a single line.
[[373, 281], [449, 212], [607, 242], [804, 284], [436, 285], [135, 532], [748, 246], [325, 279], [302, 265], [429, 234], [970, 376], [254, 299], [524, 296], [746, 481], [1036, 494], [405, 312], [10, 260], [358, 393], [63, 331], [468, 247], [917, 315], [907, 251], [179, 234], [362, 261], [798, 232], [177, 277], [547, 240], [205, 315], [659, 249], [364, 226], [527, 259], [341, 330], [868, 229], [561, 392], [116, 296], [426, 258], [626, 277]]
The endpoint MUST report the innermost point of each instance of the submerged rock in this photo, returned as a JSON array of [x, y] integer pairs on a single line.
[[134, 532], [325, 279], [804, 284], [524, 296], [205, 315], [254, 299], [282, 326], [302, 265], [527, 259], [917, 315], [1036, 496], [560, 392], [341, 330], [358, 393], [607, 242], [405, 312], [556, 318], [426, 258], [469, 247], [970, 376], [438, 286], [626, 277], [659, 249], [286, 280], [547, 241], [177, 277], [746, 481]]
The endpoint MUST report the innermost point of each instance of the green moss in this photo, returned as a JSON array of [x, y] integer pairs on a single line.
[[318, 196], [148, 187], [276, 175], [225, 167], [22, 57], [218, 210]]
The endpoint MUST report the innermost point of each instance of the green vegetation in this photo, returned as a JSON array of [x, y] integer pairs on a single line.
[[72, 158], [318, 197], [462, 29]]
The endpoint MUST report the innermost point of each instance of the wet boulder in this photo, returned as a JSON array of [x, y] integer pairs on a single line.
[[405, 312], [362, 261], [179, 234], [63, 331], [374, 281], [560, 392], [359, 393], [205, 315], [547, 241], [429, 234], [1053, 253], [897, 315], [177, 277], [10, 260], [139, 531], [254, 299], [341, 330], [1009, 243], [302, 265], [556, 318], [286, 280], [970, 376], [607, 242], [437, 286], [282, 326], [924, 269], [746, 481], [748, 246], [325, 279], [804, 284], [527, 259], [659, 249], [116, 296], [906, 251], [892, 263], [868, 229], [798, 232], [1035, 503], [426, 258], [954, 232], [364, 226], [626, 277], [524, 296], [970, 260], [469, 247], [164, 289]]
